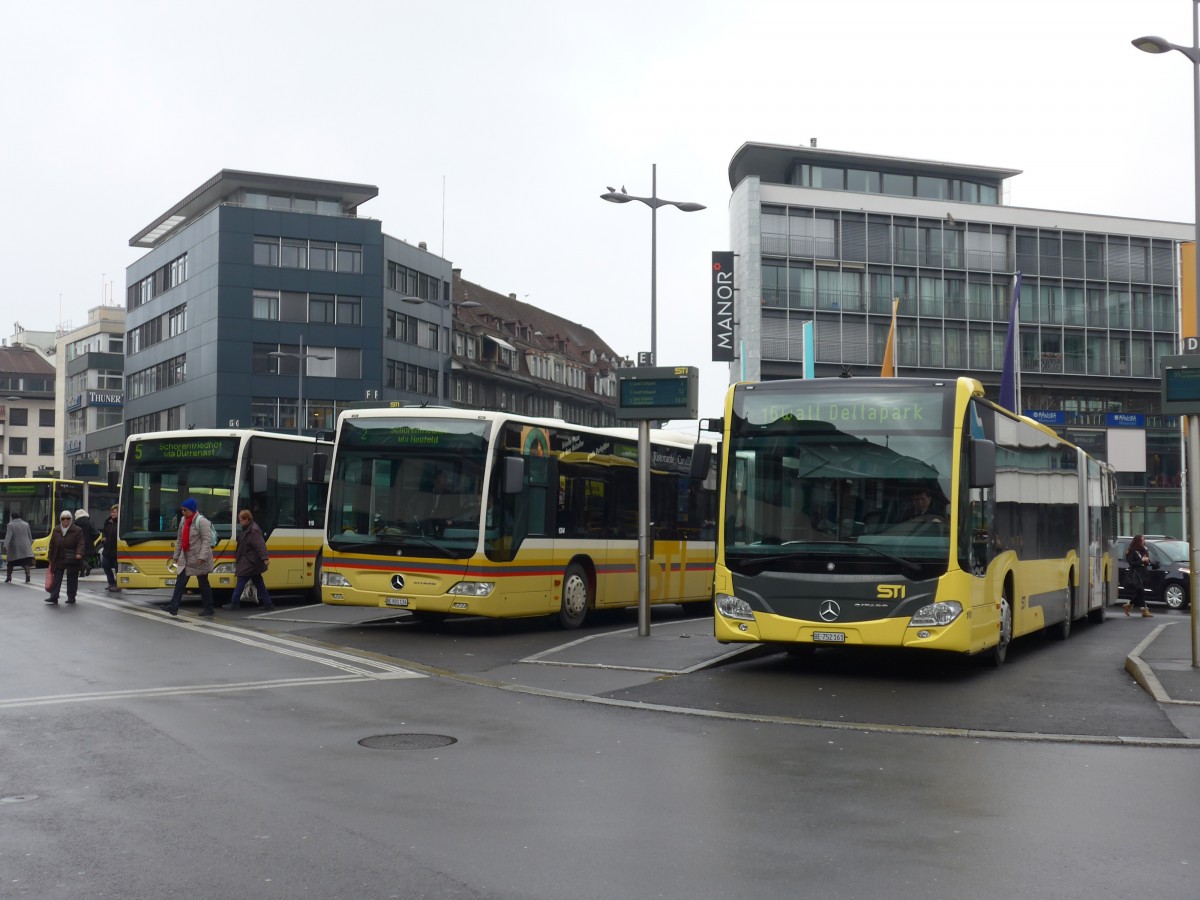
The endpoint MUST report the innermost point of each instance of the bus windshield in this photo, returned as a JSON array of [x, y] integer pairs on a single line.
[[160, 474], [30, 500], [853, 475], [414, 488]]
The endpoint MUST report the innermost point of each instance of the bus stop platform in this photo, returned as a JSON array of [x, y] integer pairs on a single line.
[[1163, 665]]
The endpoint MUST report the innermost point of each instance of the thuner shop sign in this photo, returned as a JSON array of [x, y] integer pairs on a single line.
[[722, 306]]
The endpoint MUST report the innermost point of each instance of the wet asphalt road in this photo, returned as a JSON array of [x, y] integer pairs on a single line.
[[144, 756]]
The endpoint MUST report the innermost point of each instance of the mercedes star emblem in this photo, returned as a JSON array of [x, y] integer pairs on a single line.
[[828, 612], [398, 582]]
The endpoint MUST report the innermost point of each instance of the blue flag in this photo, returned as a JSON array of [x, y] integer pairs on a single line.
[[1010, 397]]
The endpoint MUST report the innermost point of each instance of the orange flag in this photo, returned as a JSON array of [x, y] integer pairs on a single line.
[[889, 350]]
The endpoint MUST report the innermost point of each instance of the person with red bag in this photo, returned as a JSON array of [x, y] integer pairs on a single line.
[[65, 557]]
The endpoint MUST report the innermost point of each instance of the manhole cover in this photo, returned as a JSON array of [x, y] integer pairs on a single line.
[[407, 741]]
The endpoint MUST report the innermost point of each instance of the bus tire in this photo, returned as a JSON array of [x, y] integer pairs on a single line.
[[999, 653], [315, 591], [1062, 630], [576, 597]]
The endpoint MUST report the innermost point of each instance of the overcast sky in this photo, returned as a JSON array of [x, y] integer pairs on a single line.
[[525, 111]]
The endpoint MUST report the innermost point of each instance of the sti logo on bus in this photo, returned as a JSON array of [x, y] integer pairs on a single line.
[[890, 591]]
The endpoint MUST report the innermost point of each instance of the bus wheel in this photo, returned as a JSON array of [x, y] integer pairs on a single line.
[[1062, 630], [576, 597], [999, 653]]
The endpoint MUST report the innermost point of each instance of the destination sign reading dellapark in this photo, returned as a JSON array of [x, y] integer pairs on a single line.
[[897, 412]]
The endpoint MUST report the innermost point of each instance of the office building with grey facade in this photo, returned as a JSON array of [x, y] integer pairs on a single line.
[[832, 237], [267, 301]]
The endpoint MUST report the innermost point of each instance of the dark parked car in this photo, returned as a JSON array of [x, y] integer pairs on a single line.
[[1168, 578]]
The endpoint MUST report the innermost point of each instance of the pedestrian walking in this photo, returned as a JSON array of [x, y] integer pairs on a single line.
[[108, 549], [251, 562], [193, 556], [18, 546], [1138, 558], [90, 536], [65, 557]]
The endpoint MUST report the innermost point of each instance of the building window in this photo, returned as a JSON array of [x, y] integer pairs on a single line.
[[266, 305], [320, 308], [349, 258], [18, 416], [45, 446], [295, 254], [349, 310], [266, 251], [322, 255], [45, 418], [17, 446]]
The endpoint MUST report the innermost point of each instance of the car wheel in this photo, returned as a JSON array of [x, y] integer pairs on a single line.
[[576, 597], [1174, 596]]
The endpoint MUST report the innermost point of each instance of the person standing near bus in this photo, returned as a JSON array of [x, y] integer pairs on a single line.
[[252, 561], [65, 557], [108, 549], [18, 546], [193, 556], [90, 537], [1138, 558]]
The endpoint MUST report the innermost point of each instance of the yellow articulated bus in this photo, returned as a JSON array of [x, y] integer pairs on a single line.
[[39, 501], [907, 513], [280, 478], [459, 512]]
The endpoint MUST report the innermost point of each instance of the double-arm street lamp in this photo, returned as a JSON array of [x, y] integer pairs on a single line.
[[302, 358], [654, 202], [644, 538], [1154, 44]]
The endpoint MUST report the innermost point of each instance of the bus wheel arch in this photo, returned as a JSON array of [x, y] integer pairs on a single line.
[[578, 592]]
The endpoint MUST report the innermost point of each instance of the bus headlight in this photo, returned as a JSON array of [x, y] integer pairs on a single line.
[[941, 613], [334, 579], [225, 569], [128, 568], [733, 608], [473, 588]]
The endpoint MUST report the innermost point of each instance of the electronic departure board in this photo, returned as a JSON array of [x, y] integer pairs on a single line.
[[1181, 385], [657, 392]]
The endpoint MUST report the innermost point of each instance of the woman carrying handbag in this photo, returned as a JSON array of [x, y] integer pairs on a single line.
[[1138, 557]]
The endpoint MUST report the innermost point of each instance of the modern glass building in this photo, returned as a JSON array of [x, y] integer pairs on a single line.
[[832, 238]]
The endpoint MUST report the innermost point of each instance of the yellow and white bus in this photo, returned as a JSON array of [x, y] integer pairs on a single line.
[[280, 478], [40, 500], [444, 511], [825, 541]]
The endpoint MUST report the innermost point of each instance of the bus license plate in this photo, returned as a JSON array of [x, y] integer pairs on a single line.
[[830, 637], [396, 601]]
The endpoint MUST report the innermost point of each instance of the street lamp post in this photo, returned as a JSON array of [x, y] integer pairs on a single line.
[[302, 358], [654, 202], [1154, 44]]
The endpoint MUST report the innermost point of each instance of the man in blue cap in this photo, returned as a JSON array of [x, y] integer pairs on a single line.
[[193, 556]]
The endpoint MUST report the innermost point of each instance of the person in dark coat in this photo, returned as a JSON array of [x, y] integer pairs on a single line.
[[1138, 558], [108, 549], [90, 537], [65, 556], [18, 545], [251, 562]]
